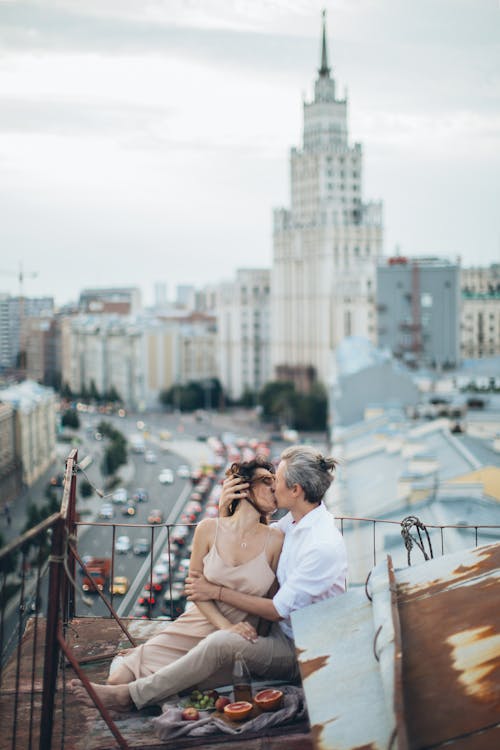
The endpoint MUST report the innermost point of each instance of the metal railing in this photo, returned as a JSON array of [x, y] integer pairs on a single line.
[[47, 556]]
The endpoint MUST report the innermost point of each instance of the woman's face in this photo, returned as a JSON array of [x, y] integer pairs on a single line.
[[262, 490]]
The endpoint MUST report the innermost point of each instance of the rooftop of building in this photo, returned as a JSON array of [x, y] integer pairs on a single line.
[[27, 395]]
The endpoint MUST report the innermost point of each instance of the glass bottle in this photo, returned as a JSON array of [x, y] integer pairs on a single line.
[[242, 681]]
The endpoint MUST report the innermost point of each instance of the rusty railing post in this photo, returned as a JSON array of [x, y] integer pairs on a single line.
[[51, 641]]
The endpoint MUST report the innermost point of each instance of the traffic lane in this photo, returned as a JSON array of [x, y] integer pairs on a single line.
[[99, 540]]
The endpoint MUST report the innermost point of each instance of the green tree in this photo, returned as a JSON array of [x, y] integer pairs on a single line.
[[86, 489], [71, 419], [93, 392], [277, 399]]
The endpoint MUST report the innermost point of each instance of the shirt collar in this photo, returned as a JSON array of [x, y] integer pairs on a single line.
[[310, 518]]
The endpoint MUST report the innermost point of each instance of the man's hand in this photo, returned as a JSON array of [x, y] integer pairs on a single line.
[[233, 488], [244, 629], [198, 589]]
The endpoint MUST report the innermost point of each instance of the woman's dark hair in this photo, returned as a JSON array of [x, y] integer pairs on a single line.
[[246, 471]]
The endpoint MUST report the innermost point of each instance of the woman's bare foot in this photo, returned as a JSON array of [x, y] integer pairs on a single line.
[[114, 697]]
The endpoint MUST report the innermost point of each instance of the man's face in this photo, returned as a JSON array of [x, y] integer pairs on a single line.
[[282, 493]]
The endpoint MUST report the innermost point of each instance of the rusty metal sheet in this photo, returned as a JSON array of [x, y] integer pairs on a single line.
[[340, 674], [450, 621]]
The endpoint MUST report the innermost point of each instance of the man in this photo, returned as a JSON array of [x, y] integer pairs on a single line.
[[312, 567]]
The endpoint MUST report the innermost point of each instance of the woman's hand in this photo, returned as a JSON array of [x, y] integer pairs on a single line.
[[244, 629], [233, 488]]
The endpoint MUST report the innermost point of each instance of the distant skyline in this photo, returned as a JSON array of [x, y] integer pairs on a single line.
[[149, 142]]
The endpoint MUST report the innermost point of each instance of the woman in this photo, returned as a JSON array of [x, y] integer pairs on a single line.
[[239, 551]]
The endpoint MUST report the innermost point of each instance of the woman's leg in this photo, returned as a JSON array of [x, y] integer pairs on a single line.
[[121, 675]]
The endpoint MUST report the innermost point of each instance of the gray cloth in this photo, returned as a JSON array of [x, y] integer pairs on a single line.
[[170, 724]]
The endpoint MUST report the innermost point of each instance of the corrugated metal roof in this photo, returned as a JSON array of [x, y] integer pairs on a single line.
[[423, 656]]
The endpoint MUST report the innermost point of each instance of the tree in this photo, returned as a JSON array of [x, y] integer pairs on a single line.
[[93, 392], [277, 399], [86, 488], [71, 419]]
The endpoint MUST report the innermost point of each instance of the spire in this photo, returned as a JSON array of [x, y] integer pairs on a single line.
[[324, 71]]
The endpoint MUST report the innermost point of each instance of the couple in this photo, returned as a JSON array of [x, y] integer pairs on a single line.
[[235, 562]]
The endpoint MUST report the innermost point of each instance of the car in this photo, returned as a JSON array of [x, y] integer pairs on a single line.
[[106, 511], [183, 471], [166, 476], [141, 546], [122, 545], [142, 611], [156, 516], [129, 509], [140, 495], [161, 572], [120, 585], [150, 457], [120, 496], [147, 598], [154, 585]]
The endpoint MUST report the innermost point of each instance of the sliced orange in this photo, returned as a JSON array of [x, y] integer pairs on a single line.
[[238, 711], [269, 700]]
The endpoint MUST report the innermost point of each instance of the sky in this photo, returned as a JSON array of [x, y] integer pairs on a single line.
[[149, 140]]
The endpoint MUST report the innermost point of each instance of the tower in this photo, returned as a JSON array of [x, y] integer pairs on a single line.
[[325, 246]]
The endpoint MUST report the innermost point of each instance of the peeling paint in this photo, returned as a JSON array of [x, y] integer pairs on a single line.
[[310, 666], [476, 655]]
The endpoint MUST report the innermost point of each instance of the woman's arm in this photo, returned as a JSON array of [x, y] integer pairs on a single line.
[[202, 540]]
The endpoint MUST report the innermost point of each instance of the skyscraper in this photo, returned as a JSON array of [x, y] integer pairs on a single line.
[[325, 245]]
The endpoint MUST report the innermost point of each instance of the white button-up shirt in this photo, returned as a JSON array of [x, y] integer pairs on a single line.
[[312, 565]]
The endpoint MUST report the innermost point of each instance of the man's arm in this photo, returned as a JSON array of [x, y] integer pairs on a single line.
[[198, 589]]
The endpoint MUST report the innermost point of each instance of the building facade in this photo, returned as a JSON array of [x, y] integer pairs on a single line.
[[325, 246], [480, 313], [14, 311], [480, 325], [10, 464], [243, 310], [35, 426], [418, 305], [111, 300]]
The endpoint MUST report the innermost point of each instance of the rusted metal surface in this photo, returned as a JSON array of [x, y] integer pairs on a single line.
[[449, 612], [78, 727], [335, 636]]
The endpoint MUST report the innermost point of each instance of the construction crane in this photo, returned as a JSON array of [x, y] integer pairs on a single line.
[[21, 275]]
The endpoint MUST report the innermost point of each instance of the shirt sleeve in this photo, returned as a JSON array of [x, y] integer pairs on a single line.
[[321, 572]]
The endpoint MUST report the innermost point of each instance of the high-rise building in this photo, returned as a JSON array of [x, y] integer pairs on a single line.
[[243, 313], [13, 312], [326, 244], [418, 303]]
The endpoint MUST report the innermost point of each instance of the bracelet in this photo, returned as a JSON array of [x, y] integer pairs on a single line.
[[219, 597]]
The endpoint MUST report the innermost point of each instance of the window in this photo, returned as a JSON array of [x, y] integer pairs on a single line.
[[426, 299]]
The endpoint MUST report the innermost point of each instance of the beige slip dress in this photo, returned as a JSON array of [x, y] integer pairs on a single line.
[[252, 577]]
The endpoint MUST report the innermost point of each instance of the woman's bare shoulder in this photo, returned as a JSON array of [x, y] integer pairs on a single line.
[[206, 527]]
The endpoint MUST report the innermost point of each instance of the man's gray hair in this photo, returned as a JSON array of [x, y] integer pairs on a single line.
[[306, 466]]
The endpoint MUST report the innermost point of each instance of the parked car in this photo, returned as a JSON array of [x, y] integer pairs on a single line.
[[156, 516], [120, 585], [150, 457], [140, 495], [122, 545], [106, 511], [147, 598], [129, 509], [141, 546], [183, 471], [166, 476]]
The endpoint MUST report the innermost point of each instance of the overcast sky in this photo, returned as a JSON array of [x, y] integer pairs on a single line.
[[148, 140]]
